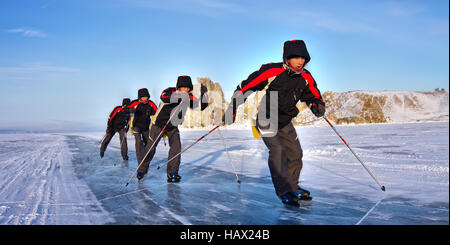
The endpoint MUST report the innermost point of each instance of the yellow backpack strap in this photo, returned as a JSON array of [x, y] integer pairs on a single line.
[[255, 130], [252, 114], [130, 122]]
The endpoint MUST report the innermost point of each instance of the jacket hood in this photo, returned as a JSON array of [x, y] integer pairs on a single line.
[[295, 48]]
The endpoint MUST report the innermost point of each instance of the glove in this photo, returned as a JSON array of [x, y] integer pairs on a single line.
[[318, 108], [203, 90], [230, 116], [127, 128], [205, 101]]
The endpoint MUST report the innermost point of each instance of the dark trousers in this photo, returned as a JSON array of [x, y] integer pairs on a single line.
[[141, 139], [175, 148], [285, 159], [123, 140]]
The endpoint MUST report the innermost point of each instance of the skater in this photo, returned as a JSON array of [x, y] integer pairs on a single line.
[[292, 83], [143, 109], [184, 87], [118, 123]]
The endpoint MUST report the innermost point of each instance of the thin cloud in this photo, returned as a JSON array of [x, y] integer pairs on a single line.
[[27, 32], [45, 5], [35, 69], [336, 24], [210, 8], [214, 4], [343, 26], [32, 72], [440, 28], [398, 9]]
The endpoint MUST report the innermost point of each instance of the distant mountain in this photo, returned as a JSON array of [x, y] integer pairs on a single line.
[[353, 107], [387, 106], [205, 118], [51, 126]]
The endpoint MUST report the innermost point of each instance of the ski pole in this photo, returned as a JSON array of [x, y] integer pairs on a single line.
[[229, 157], [228, 154], [186, 148], [95, 149], [121, 143], [381, 186], [151, 147]]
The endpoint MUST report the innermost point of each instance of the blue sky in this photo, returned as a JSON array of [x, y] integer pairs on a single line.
[[75, 60]]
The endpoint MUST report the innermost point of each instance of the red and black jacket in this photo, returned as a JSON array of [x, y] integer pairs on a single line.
[[118, 118], [291, 87], [168, 107], [142, 113]]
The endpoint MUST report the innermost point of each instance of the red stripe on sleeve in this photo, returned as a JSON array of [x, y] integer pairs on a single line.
[[310, 81], [162, 94], [132, 105], [154, 106], [264, 76], [115, 112]]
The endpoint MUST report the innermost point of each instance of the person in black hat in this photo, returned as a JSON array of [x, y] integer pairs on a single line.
[[173, 100], [287, 82], [143, 109], [118, 123]]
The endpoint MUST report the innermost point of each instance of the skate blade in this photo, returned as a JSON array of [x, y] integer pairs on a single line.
[[304, 201], [305, 198], [292, 205]]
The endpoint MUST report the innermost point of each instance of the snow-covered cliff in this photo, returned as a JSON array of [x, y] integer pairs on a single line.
[[387, 106], [353, 107]]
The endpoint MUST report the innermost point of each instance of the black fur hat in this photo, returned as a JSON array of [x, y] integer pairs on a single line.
[[126, 101], [295, 48], [143, 92], [185, 81]]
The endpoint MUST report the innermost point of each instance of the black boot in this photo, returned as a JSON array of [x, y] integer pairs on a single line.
[[302, 194], [290, 198], [125, 158], [140, 175], [102, 154], [173, 178]]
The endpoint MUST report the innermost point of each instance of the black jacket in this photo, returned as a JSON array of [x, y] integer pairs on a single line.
[[118, 118], [168, 107], [291, 87], [142, 113]]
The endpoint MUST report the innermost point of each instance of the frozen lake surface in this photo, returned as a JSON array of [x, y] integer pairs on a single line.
[[60, 179]]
